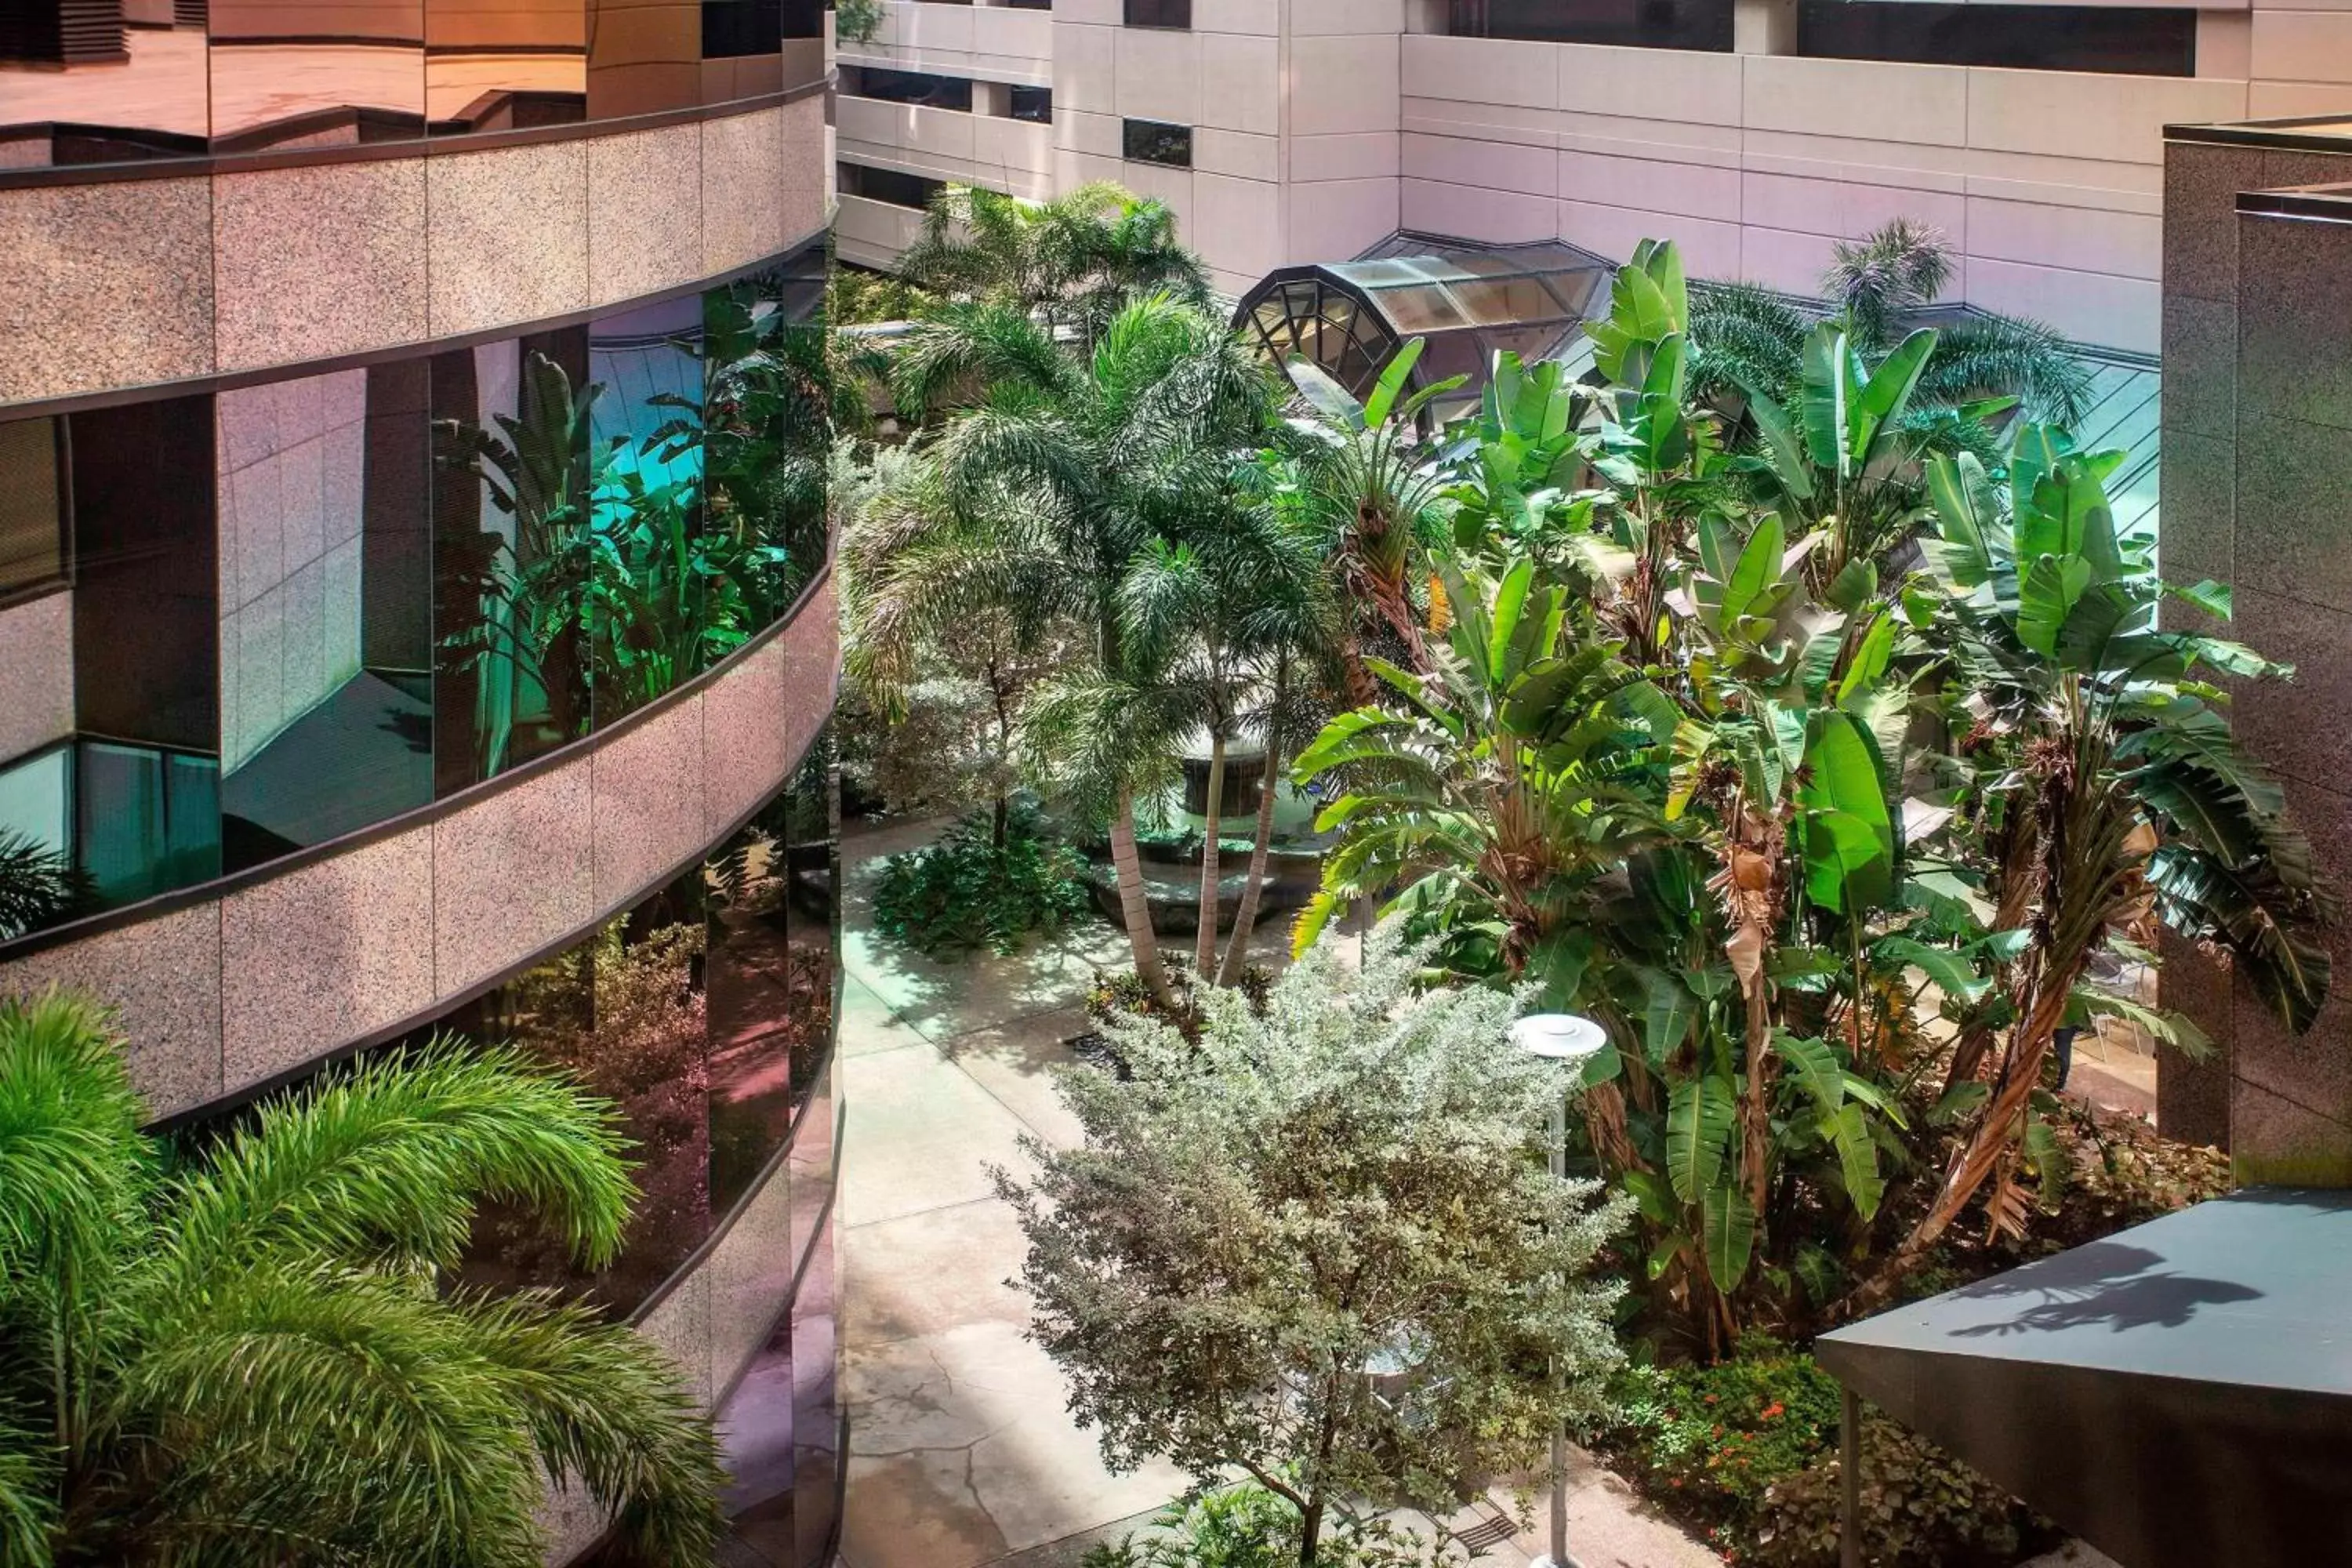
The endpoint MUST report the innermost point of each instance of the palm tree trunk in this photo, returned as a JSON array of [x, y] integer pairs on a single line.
[[1204, 936], [1134, 908], [1245, 917]]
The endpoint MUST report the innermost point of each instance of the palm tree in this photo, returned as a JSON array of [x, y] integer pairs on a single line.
[[39, 886], [1228, 615], [1746, 336], [1073, 261], [1042, 493], [249, 1354], [1364, 475]]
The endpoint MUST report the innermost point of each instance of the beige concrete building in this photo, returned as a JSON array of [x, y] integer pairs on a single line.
[[1285, 131]]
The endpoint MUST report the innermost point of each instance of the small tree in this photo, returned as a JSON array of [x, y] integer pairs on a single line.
[[1353, 1179]]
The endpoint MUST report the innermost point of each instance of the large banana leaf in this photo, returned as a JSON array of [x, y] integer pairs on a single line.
[[1849, 837], [1730, 1235], [1702, 1113]]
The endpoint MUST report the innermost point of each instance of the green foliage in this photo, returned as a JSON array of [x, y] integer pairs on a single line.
[[1073, 262], [1747, 1450], [1252, 1218], [1876, 290], [1828, 846], [854, 295], [1247, 1525], [250, 1357], [970, 892], [39, 887], [857, 21]]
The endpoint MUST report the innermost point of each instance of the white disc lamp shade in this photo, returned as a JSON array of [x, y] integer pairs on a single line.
[[1559, 1036]]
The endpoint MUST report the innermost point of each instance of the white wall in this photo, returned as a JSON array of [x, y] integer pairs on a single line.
[[2050, 182], [291, 458], [985, 42], [1015, 156]]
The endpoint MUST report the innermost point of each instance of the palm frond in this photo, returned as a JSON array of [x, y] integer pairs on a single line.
[[390, 1161]]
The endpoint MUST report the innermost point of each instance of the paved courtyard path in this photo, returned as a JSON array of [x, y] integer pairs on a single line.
[[963, 1452]]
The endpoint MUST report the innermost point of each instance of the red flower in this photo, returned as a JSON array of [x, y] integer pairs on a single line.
[[1774, 1409]]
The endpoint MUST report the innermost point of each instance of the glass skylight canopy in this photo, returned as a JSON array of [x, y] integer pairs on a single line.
[[1468, 300]]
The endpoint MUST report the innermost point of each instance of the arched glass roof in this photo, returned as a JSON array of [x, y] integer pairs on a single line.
[[1465, 299]]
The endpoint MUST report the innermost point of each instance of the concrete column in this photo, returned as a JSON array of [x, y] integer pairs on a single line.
[[1764, 26]]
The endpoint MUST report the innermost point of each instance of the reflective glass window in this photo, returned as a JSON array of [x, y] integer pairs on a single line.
[[2140, 41], [909, 87], [1159, 13], [1644, 24], [1032, 103], [316, 73], [1153, 141], [889, 185], [32, 516]]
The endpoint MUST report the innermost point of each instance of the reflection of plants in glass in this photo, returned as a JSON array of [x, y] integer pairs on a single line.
[[39, 887], [857, 21], [607, 580], [776, 400], [626, 1018], [522, 645], [249, 1353]]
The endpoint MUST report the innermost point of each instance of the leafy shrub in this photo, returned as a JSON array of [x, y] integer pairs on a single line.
[[1248, 1526], [1121, 991], [1747, 1451], [857, 21], [967, 892]]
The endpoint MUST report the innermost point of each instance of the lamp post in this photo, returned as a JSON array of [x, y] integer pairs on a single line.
[[1571, 1041]]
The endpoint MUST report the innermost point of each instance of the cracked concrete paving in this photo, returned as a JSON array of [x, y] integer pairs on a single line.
[[963, 1452]]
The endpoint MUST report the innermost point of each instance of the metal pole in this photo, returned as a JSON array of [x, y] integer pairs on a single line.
[[1559, 1557], [1849, 1478]]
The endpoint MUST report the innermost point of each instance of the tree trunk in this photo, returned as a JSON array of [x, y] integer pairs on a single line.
[[998, 826], [1245, 917], [1134, 908], [1204, 938], [1310, 1534]]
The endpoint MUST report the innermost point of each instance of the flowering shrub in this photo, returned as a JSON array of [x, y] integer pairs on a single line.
[[1747, 1451]]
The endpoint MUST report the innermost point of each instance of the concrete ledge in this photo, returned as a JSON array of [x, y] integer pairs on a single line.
[[228, 987]]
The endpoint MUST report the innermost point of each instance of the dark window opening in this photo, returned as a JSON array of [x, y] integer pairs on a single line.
[[733, 28], [2133, 42], [1032, 103], [1159, 13], [32, 505], [1150, 142], [803, 18], [901, 190], [1644, 24], [912, 86]]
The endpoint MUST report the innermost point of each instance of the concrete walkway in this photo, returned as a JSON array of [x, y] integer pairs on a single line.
[[963, 1452]]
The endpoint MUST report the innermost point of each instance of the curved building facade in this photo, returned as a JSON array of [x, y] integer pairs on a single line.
[[415, 604]]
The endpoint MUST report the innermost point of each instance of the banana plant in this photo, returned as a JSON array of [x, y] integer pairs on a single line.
[[1486, 797], [2106, 785], [1844, 460], [1663, 456]]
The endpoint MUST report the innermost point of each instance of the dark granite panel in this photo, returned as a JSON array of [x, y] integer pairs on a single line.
[[2200, 366], [2293, 511], [2314, 1069], [2295, 313], [2193, 1098], [2301, 728], [2275, 1140], [2198, 529], [2201, 183], [2282, 167]]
